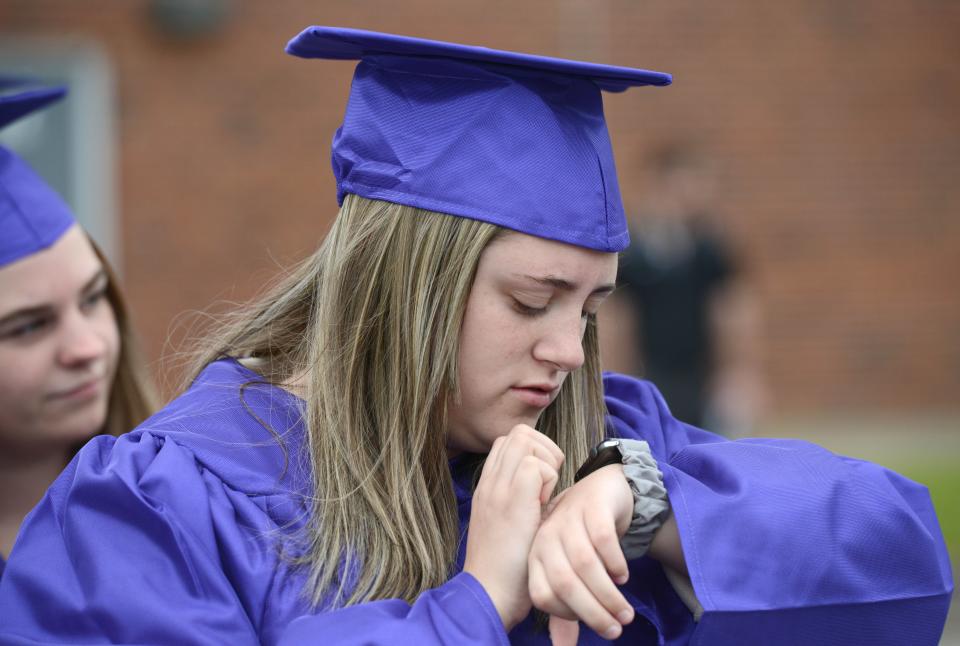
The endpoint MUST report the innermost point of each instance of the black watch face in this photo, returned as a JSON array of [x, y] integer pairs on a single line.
[[608, 455], [604, 454]]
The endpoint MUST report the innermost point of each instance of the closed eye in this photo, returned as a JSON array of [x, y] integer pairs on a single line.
[[26, 328], [528, 310], [91, 300]]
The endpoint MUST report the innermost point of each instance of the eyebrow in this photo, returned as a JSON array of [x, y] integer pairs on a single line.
[[40, 310], [566, 285]]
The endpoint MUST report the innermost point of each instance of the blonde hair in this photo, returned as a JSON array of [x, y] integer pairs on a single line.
[[132, 394], [370, 323]]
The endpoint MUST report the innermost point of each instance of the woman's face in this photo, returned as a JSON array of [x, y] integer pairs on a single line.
[[58, 347], [522, 333]]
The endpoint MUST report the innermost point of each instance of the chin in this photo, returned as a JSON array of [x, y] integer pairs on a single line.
[[503, 429], [479, 438], [82, 425]]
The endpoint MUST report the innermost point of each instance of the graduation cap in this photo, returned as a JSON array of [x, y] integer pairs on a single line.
[[32, 215], [513, 139]]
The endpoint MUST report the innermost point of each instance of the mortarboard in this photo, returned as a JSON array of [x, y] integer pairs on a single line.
[[512, 139], [32, 215]]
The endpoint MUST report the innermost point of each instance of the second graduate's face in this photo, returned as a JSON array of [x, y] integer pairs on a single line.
[[58, 348], [522, 333]]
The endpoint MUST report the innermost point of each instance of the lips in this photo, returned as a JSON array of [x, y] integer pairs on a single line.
[[536, 395], [84, 390]]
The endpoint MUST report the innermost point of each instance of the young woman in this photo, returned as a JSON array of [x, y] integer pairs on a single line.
[[70, 367], [370, 453]]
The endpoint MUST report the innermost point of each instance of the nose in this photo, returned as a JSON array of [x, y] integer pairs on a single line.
[[562, 346], [80, 341]]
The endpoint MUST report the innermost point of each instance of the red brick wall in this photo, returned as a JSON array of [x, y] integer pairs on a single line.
[[836, 125]]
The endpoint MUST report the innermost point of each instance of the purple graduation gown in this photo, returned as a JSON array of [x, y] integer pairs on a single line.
[[169, 535]]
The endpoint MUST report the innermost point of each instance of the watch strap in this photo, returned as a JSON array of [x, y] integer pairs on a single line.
[[650, 504]]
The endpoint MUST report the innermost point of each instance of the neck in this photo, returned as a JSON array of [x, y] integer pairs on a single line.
[[23, 481]]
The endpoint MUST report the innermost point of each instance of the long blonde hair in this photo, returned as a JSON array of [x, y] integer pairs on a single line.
[[370, 324], [132, 394]]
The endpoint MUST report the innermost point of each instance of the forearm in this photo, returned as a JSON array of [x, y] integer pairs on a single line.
[[666, 547]]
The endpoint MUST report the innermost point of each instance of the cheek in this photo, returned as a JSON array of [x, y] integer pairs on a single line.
[[494, 343], [22, 391], [491, 343], [107, 330]]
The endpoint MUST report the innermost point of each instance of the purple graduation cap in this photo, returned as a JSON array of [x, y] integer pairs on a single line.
[[32, 215], [513, 139]]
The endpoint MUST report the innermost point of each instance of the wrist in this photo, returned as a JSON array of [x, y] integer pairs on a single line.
[[622, 499], [666, 547], [504, 603], [650, 506]]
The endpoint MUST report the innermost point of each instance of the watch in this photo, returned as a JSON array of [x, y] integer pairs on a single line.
[[651, 506], [604, 454]]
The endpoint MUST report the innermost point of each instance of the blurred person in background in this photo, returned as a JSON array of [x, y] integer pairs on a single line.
[[368, 453], [69, 367], [693, 321]]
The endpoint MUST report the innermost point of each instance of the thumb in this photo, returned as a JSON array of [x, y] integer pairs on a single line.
[[563, 632]]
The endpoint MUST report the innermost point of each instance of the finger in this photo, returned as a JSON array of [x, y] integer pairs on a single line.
[[549, 477], [545, 448], [563, 632], [590, 569], [555, 454], [491, 464], [519, 444], [602, 532], [567, 586], [535, 475], [542, 595]]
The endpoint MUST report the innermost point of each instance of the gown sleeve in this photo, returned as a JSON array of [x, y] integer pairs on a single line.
[[457, 612], [787, 543], [138, 543]]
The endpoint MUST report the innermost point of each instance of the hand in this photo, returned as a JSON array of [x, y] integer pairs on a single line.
[[576, 561], [517, 480]]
